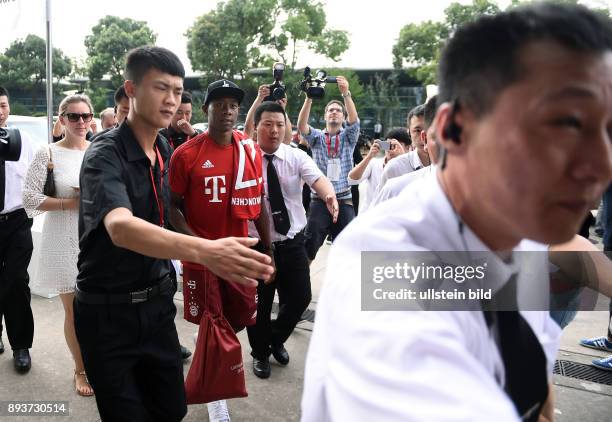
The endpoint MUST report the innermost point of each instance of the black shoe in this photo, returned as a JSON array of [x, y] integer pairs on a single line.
[[261, 368], [23, 362], [1, 345], [280, 354], [185, 352]]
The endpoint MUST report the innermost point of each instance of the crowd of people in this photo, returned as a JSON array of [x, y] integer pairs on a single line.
[[508, 158]]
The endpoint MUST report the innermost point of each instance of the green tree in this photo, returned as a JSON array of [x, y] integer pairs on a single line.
[[418, 46], [108, 44], [23, 65], [242, 34]]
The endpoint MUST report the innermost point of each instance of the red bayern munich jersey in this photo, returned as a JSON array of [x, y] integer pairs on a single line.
[[203, 173]]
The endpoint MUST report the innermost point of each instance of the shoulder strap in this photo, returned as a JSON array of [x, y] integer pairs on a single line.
[[50, 163]]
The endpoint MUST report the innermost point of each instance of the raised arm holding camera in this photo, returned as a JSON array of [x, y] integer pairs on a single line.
[[332, 150], [264, 94]]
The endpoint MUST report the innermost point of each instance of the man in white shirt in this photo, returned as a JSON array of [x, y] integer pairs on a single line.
[[543, 98], [415, 159], [284, 170], [394, 186], [370, 169], [15, 248]]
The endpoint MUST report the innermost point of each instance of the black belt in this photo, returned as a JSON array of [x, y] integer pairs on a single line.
[[5, 217], [165, 286], [287, 242]]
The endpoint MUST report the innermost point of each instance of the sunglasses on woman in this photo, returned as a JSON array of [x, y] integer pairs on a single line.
[[74, 117]]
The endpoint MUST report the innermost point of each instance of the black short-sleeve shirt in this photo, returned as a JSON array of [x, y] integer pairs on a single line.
[[116, 173]]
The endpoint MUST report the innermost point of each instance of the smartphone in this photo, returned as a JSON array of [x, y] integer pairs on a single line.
[[384, 145]]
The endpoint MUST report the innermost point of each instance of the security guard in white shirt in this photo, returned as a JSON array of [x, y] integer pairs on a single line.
[[531, 87], [284, 170], [15, 248]]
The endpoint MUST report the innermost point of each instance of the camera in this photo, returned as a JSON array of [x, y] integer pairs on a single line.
[[10, 144], [384, 144], [277, 89], [315, 87]]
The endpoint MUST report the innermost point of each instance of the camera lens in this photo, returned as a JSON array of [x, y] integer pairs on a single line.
[[278, 93]]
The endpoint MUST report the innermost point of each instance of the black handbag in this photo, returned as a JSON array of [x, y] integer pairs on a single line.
[[49, 188]]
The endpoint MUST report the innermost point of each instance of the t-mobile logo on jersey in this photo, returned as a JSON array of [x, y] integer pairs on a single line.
[[216, 188]]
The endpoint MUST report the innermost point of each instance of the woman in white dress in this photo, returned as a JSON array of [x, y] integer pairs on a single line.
[[59, 248]]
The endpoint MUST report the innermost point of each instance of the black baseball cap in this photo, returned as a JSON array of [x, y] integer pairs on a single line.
[[223, 88]]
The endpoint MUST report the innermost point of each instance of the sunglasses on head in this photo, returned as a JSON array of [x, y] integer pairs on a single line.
[[74, 117]]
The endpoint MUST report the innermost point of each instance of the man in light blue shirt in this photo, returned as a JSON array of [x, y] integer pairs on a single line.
[[332, 150]]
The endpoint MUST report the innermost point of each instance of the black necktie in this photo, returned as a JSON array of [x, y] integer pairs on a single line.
[[280, 216], [2, 183], [521, 351]]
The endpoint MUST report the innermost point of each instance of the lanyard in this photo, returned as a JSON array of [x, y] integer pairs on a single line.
[[159, 199], [336, 147]]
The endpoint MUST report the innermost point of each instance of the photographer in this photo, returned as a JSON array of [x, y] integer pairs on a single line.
[[16, 248], [249, 125], [371, 168], [332, 150]]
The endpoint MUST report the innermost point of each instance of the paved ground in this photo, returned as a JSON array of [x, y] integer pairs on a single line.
[[275, 399]]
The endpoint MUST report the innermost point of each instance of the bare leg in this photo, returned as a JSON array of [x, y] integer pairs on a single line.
[[82, 386]]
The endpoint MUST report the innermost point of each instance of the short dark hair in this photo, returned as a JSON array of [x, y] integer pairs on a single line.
[[4, 92], [270, 107], [482, 58], [120, 95], [186, 98], [336, 102], [140, 60], [401, 134], [418, 111], [431, 107]]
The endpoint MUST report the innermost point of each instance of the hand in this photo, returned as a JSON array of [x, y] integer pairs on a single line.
[[282, 102], [332, 206], [343, 84], [396, 149], [263, 92], [186, 127], [374, 149], [71, 203], [270, 253], [232, 259], [93, 126]]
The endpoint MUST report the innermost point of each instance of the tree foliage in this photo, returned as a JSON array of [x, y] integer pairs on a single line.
[[242, 34], [419, 45], [108, 44], [24, 62]]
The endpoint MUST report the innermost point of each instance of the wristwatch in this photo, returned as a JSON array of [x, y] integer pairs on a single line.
[[348, 94]]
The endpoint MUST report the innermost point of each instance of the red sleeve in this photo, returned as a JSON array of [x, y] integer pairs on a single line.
[[178, 175]]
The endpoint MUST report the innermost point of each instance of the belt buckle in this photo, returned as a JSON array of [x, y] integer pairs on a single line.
[[140, 296]]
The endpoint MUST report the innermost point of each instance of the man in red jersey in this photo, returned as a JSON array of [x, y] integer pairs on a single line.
[[216, 188]]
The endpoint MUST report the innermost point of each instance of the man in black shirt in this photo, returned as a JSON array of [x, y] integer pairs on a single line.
[[180, 129], [124, 313]]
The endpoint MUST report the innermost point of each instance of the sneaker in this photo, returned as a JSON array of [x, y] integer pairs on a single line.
[[217, 411], [599, 343], [603, 363]]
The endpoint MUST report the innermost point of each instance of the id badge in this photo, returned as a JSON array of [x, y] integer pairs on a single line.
[[333, 169]]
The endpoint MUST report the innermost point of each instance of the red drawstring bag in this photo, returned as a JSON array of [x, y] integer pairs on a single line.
[[239, 304], [200, 287], [217, 370]]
